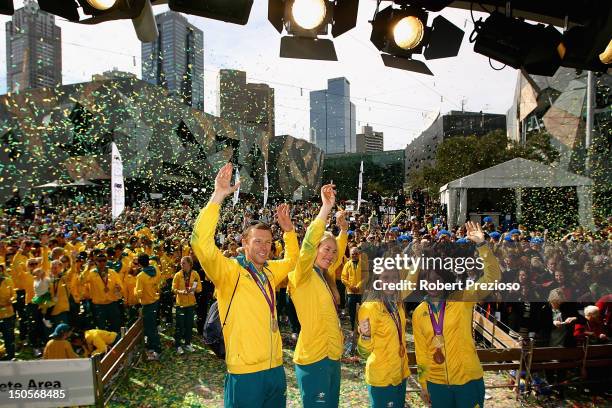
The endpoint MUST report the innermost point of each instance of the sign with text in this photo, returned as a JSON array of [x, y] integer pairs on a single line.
[[47, 383]]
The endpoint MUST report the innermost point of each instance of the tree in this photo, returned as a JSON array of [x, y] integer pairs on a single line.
[[460, 156]]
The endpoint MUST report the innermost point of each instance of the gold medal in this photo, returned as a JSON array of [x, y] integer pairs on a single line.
[[438, 356], [274, 325], [438, 341]]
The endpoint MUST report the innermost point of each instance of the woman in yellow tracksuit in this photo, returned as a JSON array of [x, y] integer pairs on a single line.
[[450, 373], [7, 314], [185, 284], [320, 343]]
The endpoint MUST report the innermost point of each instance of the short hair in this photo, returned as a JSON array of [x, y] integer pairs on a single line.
[[188, 259], [591, 309], [256, 226], [143, 260], [556, 295]]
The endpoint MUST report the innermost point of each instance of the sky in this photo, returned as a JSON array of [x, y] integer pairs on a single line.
[[401, 104]]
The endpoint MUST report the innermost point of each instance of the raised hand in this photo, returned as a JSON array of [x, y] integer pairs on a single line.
[[328, 195], [474, 232], [364, 328], [341, 220], [223, 184], [284, 218]]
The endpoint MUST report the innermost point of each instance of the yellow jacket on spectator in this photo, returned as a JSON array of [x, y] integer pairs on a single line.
[[99, 295], [58, 288], [168, 266], [147, 285], [178, 284], [384, 365], [129, 290], [250, 343], [461, 363], [84, 290], [59, 349], [98, 340], [7, 297], [321, 335], [353, 275]]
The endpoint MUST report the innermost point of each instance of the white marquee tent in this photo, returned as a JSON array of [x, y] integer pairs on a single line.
[[517, 173]]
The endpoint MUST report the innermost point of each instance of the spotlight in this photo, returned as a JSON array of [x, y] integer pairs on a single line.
[[535, 48], [400, 33], [101, 4], [306, 21], [230, 11], [6, 7]]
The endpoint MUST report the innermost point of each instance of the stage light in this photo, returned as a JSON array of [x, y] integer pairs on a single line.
[[400, 33], [6, 7], [101, 4], [306, 21], [534, 47], [309, 14], [230, 11], [408, 32]]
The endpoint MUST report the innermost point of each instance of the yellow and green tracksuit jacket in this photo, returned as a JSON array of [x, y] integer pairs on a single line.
[[250, 343], [461, 363], [384, 366], [178, 283], [354, 276], [321, 335], [7, 296]]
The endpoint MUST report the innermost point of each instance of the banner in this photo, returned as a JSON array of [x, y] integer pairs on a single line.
[[360, 186], [117, 187], [237, 192], [265, 192], [47, 383]]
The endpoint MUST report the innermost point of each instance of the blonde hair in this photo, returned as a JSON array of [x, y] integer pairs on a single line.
[[556, 296], [589, 310]]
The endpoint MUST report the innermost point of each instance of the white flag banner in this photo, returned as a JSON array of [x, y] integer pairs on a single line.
[[237, 192], [265, 192], [117, 187], [360, 186]]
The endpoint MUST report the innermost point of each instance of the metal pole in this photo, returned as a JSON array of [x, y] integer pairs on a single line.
[[590, 116]]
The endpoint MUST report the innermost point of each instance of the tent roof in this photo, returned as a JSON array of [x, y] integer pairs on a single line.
[[519, 172]]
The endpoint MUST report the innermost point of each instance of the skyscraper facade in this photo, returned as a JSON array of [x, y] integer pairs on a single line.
[[176, 59], [33, 49], [332, 118], [245, 103], [369, 140]]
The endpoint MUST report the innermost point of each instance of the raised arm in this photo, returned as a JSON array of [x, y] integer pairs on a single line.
[[308, 252], [212, 260], [282, 267]]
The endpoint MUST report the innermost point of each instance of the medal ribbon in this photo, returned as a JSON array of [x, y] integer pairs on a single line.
[[260, 284], [187, 279], [439, 324], [395, 315]]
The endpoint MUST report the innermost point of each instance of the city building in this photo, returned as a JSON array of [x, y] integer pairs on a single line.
[[369, 140], [422, 150], [176, 59], [332, 118], [245, 103], [113, 74], [33, 49]]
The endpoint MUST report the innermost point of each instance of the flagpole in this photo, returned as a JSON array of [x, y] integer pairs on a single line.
[[359, 188], [237, 192], [117, 186], [265, 192]]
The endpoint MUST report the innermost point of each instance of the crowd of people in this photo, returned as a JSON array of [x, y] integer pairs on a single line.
[[71, 278]]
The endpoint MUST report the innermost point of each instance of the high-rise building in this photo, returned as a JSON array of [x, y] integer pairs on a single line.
[[332, 118], [114, 74], [241, 102], [33, 49], [369, 140], [176, 59]]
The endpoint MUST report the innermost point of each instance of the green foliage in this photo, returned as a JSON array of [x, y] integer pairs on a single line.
[[460, 156]]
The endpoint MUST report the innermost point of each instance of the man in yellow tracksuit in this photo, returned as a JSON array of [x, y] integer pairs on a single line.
[[320, 343], [253, 345], [147, 292], [353, 278], [185, 284], [59, 289]]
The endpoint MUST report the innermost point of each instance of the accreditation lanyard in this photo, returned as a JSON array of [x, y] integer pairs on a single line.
[[260, 278], [104, 281], [394, 312], [331, 295], [187, 279]]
